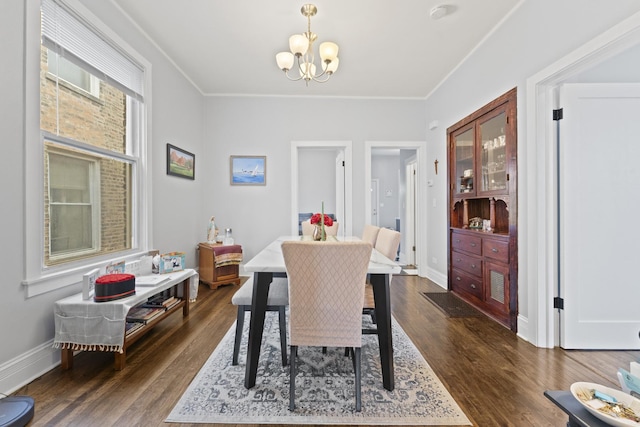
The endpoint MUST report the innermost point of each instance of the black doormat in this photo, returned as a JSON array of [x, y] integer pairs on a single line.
[[451, 305]]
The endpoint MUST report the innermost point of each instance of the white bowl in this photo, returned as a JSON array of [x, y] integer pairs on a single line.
[[622, 397]]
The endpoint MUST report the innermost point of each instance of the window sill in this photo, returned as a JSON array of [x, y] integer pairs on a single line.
[[48, 282]]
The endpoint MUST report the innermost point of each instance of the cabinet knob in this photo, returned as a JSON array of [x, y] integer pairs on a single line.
[[494, 250], [458, 278], [473, 245], [473, 266], [473, 286], [458, 260]]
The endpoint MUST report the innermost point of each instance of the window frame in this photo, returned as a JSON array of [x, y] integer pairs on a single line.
[[94, 84], [37, 278], [93, 186]]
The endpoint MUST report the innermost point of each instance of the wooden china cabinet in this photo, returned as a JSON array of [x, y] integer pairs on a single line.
[[482, 182]]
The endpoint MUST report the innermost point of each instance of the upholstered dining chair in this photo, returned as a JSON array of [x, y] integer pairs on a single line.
[[387, 243], [326, 291], [307, 228], [370, 234], [277, 300]]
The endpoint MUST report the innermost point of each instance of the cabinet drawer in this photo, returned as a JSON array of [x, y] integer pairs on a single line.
[[462, 282], [467, 263], [496, 249], [463, 242]]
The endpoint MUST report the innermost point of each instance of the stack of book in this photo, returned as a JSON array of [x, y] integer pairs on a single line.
[[161, 301], [630, 380], [143, 314], [131, 327]]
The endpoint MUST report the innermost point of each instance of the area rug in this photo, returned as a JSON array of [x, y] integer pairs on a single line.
[[451, 305], [217, 393]]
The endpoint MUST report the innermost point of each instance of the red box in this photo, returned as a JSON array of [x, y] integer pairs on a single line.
[[114, 286]]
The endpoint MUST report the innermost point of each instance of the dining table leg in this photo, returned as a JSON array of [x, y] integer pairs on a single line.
[[261, 283], [381, 295]]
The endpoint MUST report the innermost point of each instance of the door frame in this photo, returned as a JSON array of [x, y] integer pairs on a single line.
[[346, 146], [375, 191], [421, 211], [411, 179], [538, 243]]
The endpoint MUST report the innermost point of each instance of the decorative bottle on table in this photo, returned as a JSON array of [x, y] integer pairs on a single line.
[[212, 231]]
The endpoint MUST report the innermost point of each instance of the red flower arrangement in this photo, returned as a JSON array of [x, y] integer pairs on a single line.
[[315, 219]]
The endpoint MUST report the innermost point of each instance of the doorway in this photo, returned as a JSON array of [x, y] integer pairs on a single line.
[[543, 269], [335, 169], [402, 197]]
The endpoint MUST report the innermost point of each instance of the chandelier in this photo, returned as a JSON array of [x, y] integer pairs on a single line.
[[301, 46]]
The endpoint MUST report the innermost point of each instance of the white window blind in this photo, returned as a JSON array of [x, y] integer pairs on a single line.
[[71, 38]]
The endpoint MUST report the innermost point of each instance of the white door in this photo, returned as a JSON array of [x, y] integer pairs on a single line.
[[375, 201], [410, 226], [340, 193], [599, 178]]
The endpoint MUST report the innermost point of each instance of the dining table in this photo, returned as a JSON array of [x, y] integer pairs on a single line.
[[269, 262]]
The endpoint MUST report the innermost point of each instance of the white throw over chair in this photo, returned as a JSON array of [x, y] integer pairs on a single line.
[[277, 300], [326, 293]]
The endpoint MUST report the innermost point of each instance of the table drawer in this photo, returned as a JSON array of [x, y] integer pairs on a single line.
[[467, 263], [496, 249], [461, 282], [463, 242]]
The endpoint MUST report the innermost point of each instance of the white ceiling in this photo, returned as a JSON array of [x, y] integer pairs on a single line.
[[387, 49]]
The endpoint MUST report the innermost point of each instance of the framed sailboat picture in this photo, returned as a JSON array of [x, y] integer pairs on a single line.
[[248, 170]]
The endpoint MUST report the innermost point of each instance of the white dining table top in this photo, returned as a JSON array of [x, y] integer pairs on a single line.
[[270, 259]]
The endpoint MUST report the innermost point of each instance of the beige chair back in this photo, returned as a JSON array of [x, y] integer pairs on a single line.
[[307, 228], [388, 242], [370, 234], [326, 292]]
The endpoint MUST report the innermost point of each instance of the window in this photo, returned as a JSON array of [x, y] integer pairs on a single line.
[[72, 75], [92, 179], [72, 204]]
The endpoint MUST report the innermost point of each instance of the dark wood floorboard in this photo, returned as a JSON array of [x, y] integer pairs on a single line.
[[496, 378]]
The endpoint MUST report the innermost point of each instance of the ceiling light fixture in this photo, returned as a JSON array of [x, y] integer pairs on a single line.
[[301, 46]]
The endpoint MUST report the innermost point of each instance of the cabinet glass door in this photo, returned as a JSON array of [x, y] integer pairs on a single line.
[[464, 159], [493, 154]]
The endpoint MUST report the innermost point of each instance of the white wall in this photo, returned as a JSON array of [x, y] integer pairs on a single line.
[[385, 169], [317, 180], [27, 324], [534, 36], [267, 126]]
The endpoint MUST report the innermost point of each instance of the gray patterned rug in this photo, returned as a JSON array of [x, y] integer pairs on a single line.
[[217, 393]]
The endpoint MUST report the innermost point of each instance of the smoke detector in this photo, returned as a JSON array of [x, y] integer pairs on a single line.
[[438, 12]]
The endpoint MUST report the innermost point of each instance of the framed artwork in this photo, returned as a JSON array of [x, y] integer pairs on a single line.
[[180, 162], [248, 170]]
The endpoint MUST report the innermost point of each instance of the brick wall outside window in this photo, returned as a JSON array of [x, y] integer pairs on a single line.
[[100, 122]]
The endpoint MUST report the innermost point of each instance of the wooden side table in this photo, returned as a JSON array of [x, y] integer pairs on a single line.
[[212, 276]]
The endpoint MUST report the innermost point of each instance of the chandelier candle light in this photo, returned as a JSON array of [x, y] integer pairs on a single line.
[[301, 46]]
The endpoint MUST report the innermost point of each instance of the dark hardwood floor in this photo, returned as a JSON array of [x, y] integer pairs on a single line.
[[497, 378]]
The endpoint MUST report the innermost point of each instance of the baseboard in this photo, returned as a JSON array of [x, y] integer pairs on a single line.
[[25, 368], [437, 277]]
